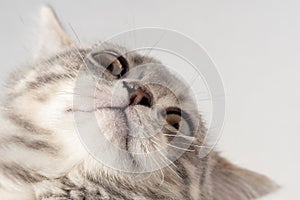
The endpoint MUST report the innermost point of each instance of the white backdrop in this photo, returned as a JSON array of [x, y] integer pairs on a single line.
[[255, 45]]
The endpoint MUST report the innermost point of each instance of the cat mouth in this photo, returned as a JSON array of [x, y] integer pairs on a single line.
[[130, 116]]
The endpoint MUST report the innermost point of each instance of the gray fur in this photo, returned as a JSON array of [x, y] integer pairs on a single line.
[[41, 156]]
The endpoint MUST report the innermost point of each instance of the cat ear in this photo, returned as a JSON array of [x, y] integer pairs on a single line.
[[234, 183], [52, 36]]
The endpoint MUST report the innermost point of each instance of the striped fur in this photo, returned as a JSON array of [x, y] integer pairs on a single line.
[[42, 157]]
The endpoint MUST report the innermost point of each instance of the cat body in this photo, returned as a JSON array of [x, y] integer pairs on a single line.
[[42, 156]]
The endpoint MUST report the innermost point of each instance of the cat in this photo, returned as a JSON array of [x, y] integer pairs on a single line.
[[43, 157]]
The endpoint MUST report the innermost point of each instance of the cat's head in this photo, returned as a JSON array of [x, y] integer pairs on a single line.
[[140, 114]]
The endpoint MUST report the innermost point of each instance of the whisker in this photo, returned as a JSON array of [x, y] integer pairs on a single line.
[[179, 135], [73, 93], [161, 153], [168, 144], [160, 170], [84, 63], [194, 145], [154, 45], [168, 160]]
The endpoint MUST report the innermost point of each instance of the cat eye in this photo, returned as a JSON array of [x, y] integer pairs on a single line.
[[173, 117], [114, 63]]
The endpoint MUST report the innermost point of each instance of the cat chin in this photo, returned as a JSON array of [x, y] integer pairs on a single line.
[[134, 173], [134, 170], [116, 149]]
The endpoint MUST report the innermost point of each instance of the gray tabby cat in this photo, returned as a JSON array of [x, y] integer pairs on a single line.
[[42, 157]]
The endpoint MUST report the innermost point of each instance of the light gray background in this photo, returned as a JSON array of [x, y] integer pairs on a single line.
[[255, 45]]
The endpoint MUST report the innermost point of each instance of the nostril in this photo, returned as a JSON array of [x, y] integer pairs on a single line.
[[145, 101], [140, 97]]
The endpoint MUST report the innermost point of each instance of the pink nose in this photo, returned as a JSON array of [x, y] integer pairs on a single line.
[[140, 97]]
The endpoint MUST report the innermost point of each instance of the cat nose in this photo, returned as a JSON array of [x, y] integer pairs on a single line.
[[138, 95]]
